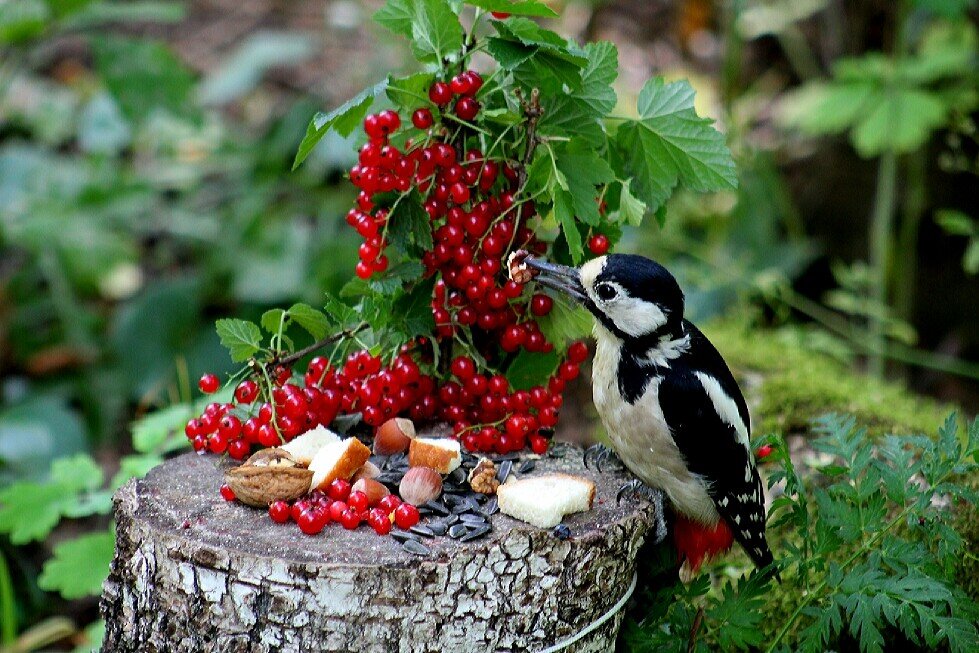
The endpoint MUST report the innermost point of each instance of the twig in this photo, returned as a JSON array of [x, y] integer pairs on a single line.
[[698, 620], [533, 111], [292, 358]]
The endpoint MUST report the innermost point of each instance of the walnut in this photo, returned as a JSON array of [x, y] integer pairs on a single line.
[[269, 475], [517, 266], [482, 478]]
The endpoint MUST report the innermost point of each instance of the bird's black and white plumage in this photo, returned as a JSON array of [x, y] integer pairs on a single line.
[[673, 410]]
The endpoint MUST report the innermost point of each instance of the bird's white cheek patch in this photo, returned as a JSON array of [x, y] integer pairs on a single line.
[[636, 317]]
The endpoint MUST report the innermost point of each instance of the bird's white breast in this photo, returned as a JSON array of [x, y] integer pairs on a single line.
[[641, 436]]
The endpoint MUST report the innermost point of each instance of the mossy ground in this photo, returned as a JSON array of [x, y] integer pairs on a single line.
[[790, 379]]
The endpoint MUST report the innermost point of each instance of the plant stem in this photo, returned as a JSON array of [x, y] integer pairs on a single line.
[[8, 610], [864, 548], [293, 357], [882, 223]]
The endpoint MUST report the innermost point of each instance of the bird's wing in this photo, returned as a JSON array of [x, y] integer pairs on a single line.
[[708, 430]]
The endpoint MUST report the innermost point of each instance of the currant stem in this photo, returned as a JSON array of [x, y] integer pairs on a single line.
[[292, 358]]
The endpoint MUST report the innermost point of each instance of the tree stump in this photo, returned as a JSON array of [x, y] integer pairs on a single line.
[[193, 572]]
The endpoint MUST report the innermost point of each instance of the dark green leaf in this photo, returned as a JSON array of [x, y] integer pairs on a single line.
[[584, 171], [243, 339], [432, 26], [344, 119], [530, 369], [408, 224], [669, 145], [409, 93], [579, 113]]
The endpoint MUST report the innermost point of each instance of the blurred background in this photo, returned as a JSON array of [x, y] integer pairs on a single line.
[[145, 190]]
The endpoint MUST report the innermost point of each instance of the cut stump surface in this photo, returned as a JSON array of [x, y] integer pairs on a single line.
[[193, 572]]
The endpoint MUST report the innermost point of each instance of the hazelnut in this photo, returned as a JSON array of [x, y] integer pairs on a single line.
[[369, 470], [420, 485], [375, 491], [393, 436]]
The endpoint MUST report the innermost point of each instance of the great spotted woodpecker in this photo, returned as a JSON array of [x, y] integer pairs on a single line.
[[672, 409]]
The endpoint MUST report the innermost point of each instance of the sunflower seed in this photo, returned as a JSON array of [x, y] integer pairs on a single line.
[[492, 506], [472, 519], [403, 536], [504, 471], [478, 531], [457, 531], [458, 476], [436, 506], [527, 466], [438, 527], [421, 529], [562, 532], [450, 519], [417, 548]]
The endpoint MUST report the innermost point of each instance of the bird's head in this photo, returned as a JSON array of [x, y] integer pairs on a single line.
[[637, 300]]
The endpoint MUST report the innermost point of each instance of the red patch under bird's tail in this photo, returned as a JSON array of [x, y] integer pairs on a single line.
[[696, 542]]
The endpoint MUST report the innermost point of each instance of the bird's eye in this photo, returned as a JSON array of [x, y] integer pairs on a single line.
[[605, 291]]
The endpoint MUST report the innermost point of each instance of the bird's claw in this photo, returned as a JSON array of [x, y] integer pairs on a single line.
[[601, 455], [637, 489]]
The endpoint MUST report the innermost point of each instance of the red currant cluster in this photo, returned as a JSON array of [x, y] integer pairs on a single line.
[[477, 217], [339, 504]]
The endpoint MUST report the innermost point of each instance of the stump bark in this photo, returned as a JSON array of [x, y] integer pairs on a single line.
[[193, 572]]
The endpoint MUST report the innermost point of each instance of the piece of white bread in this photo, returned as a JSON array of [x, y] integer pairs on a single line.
[[443, 455], [340, 459], [544, 500], [304, 448]]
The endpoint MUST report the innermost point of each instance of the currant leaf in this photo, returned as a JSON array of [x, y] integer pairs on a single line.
[[408, 224], [584, 171], [344, 119], [432, 26], [671, 145], [530, 369], [79, 566], [313, 321], [579, 114], [517, 8], [243, 339], [631, 208]]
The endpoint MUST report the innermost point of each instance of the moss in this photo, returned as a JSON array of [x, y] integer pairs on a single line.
[[793, 379], [967, 525]]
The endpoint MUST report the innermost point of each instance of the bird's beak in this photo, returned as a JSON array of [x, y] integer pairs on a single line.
[[562, 278]]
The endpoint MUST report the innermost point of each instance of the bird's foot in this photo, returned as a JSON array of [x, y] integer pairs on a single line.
[[602, 456], [636, 489]]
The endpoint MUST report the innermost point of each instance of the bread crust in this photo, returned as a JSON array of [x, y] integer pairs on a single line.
[[426, 452], [354, 456]]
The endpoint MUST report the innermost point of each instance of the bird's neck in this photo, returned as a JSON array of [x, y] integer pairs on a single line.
[[672, 336]]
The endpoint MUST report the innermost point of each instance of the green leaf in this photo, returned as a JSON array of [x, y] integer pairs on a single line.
[[344, 119], [34, 433], [271, 319], [432, 26], [76, 473], [415, 312], [564, 213], [579, 113], [29, 511], [631, 208], [243, 339], [901, 120], [79, 566], [530, 369], [955, 222], [820, 108], [153, 431], [584, 171], [538, 58], [566, 322], [22, 20], [516, 8], [670, 145], [970, 260], [312, 320], [408, 224], [410, 92]]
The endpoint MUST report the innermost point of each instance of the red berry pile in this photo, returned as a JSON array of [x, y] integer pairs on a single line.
[[478, 216], [347, 508]]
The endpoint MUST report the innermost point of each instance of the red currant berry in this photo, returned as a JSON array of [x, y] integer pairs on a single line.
[[389, 120], [209, 384], [217, 443], [406, 516], [239, 449], [279, 511], [246, 392], [568, 371], [389, 503], [358, 501], [541, 305], [312, 520], [578, 352], [379, 520], [598, 244], [764, 451], [350, 519], [467, 108], [500, 15], [336, 509], [422, 118], [227, 493], [538, 444], [463, 368], [339, 490], [440, 93], [461, 84]]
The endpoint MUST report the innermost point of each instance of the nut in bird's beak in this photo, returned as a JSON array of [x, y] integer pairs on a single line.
[[562, 278]]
